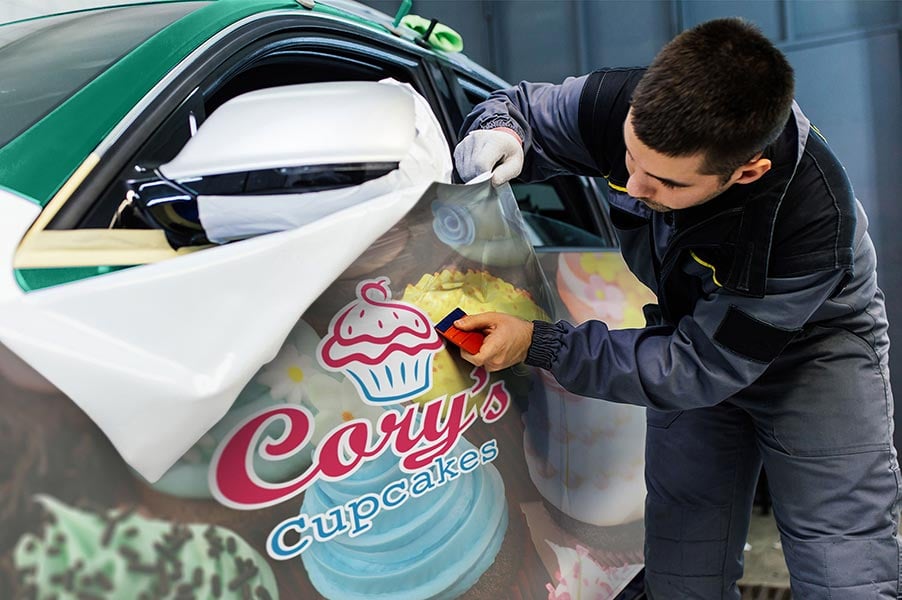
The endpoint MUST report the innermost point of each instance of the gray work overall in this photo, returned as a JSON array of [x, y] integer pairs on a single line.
[[769, 348]]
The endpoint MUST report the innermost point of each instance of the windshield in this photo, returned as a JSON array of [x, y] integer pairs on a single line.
[[45, 61]]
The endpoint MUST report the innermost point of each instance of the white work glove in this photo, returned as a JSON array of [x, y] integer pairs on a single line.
[[483, 150]]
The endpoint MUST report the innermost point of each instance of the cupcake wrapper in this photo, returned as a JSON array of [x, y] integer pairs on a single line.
[[393, 382]]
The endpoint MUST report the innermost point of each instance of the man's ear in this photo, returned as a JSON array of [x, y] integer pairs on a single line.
[[752, 170]]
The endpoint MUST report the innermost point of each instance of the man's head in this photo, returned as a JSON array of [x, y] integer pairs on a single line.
[[711, 101]]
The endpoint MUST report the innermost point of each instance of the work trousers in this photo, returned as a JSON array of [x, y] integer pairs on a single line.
[[820, 423]]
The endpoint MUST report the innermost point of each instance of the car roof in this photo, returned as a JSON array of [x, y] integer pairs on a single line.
[[43, 157]]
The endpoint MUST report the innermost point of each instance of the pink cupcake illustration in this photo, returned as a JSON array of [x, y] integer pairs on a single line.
[[385, 348]]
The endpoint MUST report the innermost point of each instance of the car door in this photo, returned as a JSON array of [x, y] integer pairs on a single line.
[[151, 329]]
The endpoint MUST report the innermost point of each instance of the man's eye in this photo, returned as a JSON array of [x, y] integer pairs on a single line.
[[669, 185]]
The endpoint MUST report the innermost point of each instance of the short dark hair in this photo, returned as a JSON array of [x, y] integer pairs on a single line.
[[721, 88]]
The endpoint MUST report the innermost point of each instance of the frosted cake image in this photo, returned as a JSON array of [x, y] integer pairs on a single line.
[[437, 294], [384, 347], [435, 546], [598, 285], [585, 456], [121, 555], [473, 291]]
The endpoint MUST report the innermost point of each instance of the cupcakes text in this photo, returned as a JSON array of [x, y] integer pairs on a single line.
[[356, 516]]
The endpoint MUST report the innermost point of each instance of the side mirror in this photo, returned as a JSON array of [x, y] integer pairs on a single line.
[[285, 140]]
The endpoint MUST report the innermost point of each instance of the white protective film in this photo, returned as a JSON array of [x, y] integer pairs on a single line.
[[157, 354], [491, 233]]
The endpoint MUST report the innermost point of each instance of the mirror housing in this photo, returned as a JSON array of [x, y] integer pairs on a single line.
[[342, 122], [290, 139]]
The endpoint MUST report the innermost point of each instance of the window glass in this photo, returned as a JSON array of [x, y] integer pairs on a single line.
[[473, 93], [45, 61], [560, 212]]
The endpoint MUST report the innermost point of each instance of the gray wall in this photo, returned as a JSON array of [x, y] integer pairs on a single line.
[[846, 55]]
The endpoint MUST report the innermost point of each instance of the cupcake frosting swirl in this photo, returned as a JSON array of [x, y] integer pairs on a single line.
[[453, 224], [373, 327]]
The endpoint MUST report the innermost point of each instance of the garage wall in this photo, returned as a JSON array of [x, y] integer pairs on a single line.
[[846, 55]]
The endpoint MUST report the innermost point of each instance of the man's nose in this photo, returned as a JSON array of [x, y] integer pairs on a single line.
[[638, 187]]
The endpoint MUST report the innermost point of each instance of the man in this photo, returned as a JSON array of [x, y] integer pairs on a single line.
[[769, 345]]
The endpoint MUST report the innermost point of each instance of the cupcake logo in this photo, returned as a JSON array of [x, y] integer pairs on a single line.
[[384, 347]]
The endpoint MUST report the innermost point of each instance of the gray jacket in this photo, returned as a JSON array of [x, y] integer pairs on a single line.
[[742, 281]]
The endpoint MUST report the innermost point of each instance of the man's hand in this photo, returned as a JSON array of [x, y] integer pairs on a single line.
[[498, 150], [507, 339]]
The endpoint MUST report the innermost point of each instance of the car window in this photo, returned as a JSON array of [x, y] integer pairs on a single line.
[[37, 76], [546, 217], [563, 212]]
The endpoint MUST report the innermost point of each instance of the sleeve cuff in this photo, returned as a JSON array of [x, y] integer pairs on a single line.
[[545, 345], [496, 121]]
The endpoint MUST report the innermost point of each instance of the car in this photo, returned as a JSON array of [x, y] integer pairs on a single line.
[[231, 239]]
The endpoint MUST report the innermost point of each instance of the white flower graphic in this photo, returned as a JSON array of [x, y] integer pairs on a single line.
[[336, 403], [296, 378], [291, 376]]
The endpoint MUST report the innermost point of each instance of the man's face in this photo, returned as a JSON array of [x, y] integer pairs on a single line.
[[666, 183]]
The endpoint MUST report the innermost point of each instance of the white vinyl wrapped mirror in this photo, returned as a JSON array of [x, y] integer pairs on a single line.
[[284, 157], [331, 123]]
